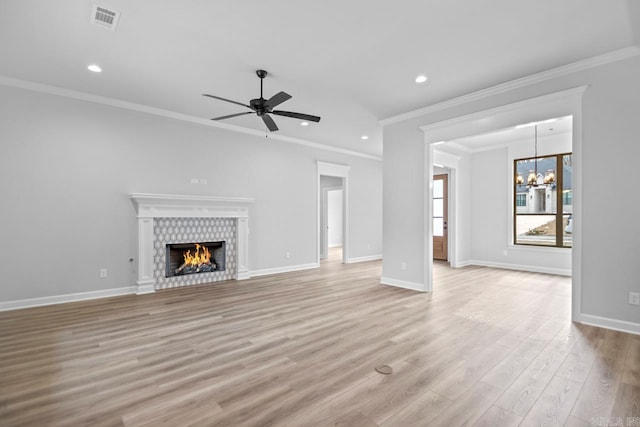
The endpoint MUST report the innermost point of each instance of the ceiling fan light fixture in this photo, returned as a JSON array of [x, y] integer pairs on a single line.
[[263, 108]]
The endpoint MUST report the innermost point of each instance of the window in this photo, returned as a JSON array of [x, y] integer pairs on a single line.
[[542, 185]]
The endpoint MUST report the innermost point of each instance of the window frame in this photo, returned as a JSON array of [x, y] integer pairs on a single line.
[[559, 214]]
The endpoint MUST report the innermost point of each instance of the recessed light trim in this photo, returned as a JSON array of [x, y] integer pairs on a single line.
[[422, 78], [94, 68], [304, 124], [364, 137]]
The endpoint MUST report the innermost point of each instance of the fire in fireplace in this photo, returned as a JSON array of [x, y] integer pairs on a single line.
[[192, 258]]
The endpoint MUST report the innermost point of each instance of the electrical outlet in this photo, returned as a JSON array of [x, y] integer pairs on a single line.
[[103, 273], [505, 253], [403, 266], [195, 180], [634, 298], [288, 254]]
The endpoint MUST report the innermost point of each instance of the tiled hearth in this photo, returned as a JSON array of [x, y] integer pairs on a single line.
[[164, 219], [190, 230]]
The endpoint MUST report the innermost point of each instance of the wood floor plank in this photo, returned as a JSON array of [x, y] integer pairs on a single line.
[[299, 349], [598, 395], [496, 416], [554, 405]]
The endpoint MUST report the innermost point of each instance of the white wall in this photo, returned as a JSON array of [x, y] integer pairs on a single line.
[[334, 217], [610, 108], [67, 168]]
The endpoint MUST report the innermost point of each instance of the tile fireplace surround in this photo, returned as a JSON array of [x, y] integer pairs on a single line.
[[152, 208]]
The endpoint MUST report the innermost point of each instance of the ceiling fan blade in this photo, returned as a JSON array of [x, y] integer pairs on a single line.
[[277, 99], [297, 115], [232, 115], [224, 99], [271, 125]]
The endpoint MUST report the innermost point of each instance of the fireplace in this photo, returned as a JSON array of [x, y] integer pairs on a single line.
[[194, 258], [174, 219]]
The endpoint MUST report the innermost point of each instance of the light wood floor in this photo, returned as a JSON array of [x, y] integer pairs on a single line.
[[488, 348]]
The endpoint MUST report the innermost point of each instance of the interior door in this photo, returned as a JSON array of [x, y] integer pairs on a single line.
[[440, 203]]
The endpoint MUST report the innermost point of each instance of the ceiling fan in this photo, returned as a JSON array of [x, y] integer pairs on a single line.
[[263, 107]]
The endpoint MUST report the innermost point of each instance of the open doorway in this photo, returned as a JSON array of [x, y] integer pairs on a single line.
[[486, 191], [331, 217], [333, 212]]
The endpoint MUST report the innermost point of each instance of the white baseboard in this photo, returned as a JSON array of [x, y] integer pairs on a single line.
[[284, 269], [364, 258], [59, 299], [608, 323], [506, 266], [147, 288], [402, 284]]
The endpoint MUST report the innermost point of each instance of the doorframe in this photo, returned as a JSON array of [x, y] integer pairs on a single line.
[[340, 171], [563, 103]]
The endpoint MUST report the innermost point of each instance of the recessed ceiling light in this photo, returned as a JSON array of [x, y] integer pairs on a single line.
[[364, 137], [421, 78], [94, 68], [304, 124]]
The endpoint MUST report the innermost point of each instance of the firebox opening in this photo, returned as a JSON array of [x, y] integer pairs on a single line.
[[194, 258]]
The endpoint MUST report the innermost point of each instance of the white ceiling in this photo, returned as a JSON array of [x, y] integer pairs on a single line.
[[351, 62], [551, 127]]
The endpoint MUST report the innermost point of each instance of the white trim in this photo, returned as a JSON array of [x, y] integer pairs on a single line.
[[596, 61], [147, 287], [403, 284], [520, 267], [608, 323], [335, 245], [502, 109], [461, 264], [125, 105], [61, 299], [364, 258], [186, 206], [284, 269]]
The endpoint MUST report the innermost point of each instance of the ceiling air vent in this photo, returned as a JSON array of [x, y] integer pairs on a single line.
[[105, 17]]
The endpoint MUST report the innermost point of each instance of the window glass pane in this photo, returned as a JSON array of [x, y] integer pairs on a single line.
[[438, 227], [438, 188], [541, 195], [438, 210], [536, 229]]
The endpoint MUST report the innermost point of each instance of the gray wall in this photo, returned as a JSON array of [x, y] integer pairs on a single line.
[[67, 168], [610, 229]]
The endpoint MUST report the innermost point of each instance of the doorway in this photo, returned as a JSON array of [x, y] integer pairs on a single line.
[[564, 104], [333, 211], [331, 217], [440, 217]]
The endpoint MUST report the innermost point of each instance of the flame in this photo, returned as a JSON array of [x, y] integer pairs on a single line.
[[201, 256]]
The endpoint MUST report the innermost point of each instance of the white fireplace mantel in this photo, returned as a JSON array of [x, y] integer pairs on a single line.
[[150, 206]]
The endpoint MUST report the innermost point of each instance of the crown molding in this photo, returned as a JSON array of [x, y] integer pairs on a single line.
[[576, 91], [113, 102], [596, 61]]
